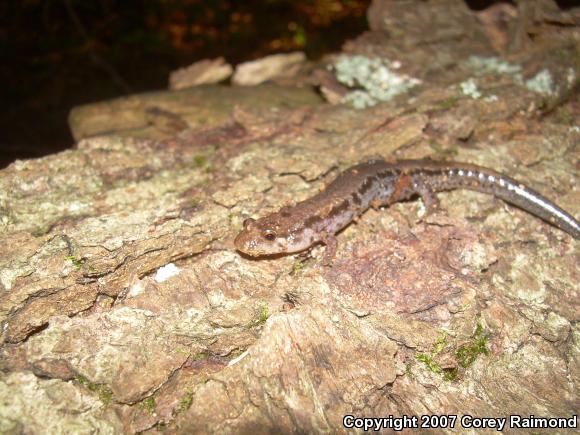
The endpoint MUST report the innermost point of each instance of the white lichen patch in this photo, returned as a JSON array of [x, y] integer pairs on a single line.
[[485, 65], [557, 327], [135, 290], [478, 256], [525, 281], [469, 88], [570, 77], [216, 299], [376, 79], [166, 272], [542, 83], [8, 277], [77, 207], [359, 99]]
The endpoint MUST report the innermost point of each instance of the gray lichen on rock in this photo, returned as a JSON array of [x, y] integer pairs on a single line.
[[378, 79]]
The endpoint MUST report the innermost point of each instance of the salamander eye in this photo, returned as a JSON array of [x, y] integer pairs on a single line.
[[270, 235]]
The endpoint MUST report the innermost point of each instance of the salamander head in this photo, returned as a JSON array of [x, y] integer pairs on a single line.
[[273, 234]]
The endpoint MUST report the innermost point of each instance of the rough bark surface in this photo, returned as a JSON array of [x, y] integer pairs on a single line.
[[126, 309]]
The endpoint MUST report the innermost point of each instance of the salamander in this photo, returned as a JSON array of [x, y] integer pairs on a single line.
[[377, 183]]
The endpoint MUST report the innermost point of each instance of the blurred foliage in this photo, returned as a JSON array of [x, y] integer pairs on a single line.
[[56, 54], [41, 33]]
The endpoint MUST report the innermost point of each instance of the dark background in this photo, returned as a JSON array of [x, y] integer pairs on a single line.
[[56, 54]]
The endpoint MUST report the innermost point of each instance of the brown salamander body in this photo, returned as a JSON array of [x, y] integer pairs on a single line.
[[378, 183]]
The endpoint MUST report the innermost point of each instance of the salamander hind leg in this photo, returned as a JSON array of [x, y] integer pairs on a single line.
[[331, 243], [430, 200]]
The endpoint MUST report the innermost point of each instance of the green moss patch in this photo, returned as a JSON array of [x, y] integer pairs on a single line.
[[263, 315], [468, 353], [105, 394], [76, 261], [148, 404], [465, 354], [185, 402]]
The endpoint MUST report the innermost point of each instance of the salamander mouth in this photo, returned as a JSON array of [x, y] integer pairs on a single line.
[[247, 244], [244, 244], [256, 252], [252, 252]]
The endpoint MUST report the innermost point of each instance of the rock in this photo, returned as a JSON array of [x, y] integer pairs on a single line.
[[268, 68], [203, 72]]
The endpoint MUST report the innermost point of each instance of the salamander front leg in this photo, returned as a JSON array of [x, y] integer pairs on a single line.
[[331, 243]]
